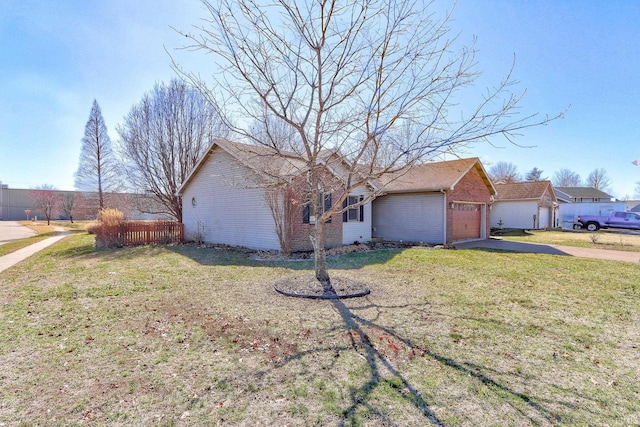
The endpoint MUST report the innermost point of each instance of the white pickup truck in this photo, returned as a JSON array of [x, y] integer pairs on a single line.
[[628, 220]]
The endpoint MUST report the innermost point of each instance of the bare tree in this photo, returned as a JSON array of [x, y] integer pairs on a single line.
[[599, 180], [68, 205], [162, 139], [566, 178], [636, 190], [98, 169], [46, 199], [534, 174], [349, 78], [504, 173]]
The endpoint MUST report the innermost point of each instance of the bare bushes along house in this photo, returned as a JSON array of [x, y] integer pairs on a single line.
[[245, 195]]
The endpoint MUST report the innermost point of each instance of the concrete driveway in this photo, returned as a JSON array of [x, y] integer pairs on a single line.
[[505, 245], [11, 230]]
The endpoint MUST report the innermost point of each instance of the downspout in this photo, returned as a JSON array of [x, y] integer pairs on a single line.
[[444, 221]]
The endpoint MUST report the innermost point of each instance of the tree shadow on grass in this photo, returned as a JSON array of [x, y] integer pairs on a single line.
[[383, 371], [375, 360]]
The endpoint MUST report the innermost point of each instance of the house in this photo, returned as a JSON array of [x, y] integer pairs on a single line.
[[575, 201], [244, 195], [436, 203], [524, 205], [632, 205], [581, 194]]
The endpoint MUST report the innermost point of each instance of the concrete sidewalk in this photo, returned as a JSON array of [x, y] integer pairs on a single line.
[[505, 245], [9, 260]]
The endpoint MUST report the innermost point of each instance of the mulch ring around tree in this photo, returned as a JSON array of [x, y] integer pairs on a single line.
[[307, 286]]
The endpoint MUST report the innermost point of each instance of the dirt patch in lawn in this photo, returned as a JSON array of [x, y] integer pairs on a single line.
[[308, 286]]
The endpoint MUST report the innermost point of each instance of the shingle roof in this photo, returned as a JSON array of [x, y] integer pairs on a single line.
[[584, 192], [635, 208], [426, 177], [528, 190], [434, 176], [265, 160]]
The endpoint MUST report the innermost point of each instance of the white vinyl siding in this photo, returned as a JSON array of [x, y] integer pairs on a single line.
[[358, 231], [412, 217], [230, 205], [515, 214]]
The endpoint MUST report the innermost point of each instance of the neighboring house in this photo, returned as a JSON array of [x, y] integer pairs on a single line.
[[581, 194], [632, 205], [524, 205], [575, 201], [243, 195], [435, 203]]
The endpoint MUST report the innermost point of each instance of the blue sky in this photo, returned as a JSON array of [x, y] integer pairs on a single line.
[[57, 56]]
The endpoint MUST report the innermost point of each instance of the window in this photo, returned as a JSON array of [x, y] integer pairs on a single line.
[[353, 213], [465, 206], [308, 216]]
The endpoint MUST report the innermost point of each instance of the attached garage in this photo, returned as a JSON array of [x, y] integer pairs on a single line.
[[409, 217], [436, 203]]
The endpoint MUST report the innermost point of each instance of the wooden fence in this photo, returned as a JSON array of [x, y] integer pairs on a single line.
[[133, 233]]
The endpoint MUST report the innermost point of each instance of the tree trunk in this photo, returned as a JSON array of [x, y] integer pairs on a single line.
[[320, 258]]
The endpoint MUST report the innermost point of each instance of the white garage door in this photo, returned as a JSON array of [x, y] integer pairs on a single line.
[[409, 217]]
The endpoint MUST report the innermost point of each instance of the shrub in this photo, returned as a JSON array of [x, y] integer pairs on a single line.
[[108, 233], [111, 217], [92, 228]]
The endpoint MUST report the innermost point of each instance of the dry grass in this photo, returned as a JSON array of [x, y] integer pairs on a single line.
[[621, 240], [197, 336]]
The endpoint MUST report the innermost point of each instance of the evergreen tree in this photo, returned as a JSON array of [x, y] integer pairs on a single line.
[[98, 169], [535, 174]]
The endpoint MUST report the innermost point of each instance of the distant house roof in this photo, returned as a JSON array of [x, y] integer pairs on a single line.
[[434, 176], [633, 205], [527, 190], [579, 193]]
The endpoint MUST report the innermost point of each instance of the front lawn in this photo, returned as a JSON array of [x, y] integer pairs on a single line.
[[183, 335], [620, 240]]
